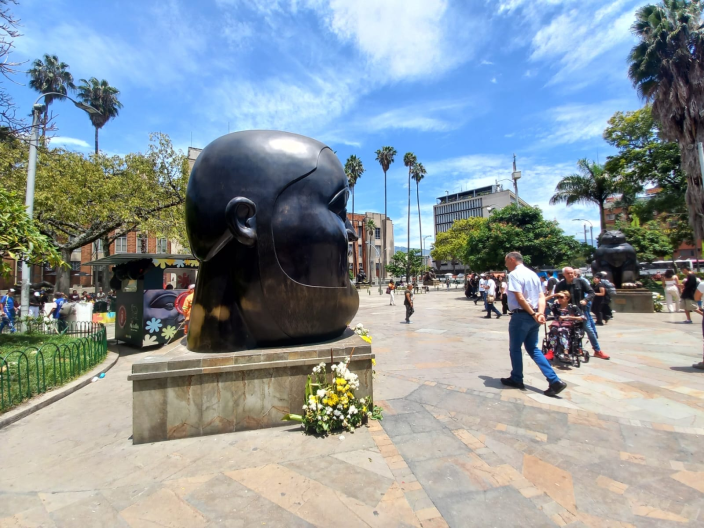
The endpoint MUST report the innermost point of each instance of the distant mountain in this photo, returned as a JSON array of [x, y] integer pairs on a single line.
[[426, 252]]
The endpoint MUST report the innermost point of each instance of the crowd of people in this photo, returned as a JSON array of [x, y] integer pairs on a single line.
[[42, 303]]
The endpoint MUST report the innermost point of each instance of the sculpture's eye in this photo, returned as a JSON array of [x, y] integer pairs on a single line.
[[338, 204]]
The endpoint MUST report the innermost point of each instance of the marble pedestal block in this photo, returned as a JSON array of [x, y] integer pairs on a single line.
[[184, 394], [633, 301]]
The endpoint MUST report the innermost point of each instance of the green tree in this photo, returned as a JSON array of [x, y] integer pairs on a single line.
[[79, 200], [354, 170], [649, 240], [590, 185], [385, 156], [418, 173], [409, 160], [666, 68], [402, 263], [450, 245], [371, 229], [103, 97], [10, 125], [541, 242], [50, 75], [20, 239]]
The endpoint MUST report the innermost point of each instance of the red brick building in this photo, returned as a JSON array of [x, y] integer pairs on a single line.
[[85, 276]]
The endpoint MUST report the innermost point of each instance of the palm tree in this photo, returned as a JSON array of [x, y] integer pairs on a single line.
[[354, 170], [666, 68], [591, 185], [103, 97], [50, 75], [418, 173], [385, 157], [371, 228], [409, 159]]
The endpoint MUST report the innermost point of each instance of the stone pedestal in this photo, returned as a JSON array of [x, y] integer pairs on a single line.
[[184, 394], [633, 301]]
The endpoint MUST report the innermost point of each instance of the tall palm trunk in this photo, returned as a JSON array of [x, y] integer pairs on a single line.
[[408, 231], [355, 269], [96, 141], [602, 216], [420, 227], [383, 242]]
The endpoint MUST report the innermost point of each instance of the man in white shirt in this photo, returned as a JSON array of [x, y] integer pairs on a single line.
[[482, 290], [491, 292], [527, 303]]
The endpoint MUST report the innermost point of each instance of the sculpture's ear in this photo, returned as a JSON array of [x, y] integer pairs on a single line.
[[240, 215]]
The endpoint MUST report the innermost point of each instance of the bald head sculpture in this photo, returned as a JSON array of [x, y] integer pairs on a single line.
[[266, 215]]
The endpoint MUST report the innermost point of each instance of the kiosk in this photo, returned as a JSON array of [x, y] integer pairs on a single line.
[[150, 290]]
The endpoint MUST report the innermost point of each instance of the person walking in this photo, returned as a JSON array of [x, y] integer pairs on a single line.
[[408, 303], [482, 291], [527, 303], [582, 295], [698, 297], [390, 290], [35, 302], [671, 285], [598, 302], [687, 302], [8, 311], [504, 295], [491, 298], [186, 307], [55, 313]]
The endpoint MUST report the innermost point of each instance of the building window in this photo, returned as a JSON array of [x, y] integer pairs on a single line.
[[121, 244], [76, 265], [359, 248], [161, 245], [610, 216], [377, 233], [141, 244]]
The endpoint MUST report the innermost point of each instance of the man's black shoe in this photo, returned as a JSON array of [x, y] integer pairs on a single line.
[[555, 388], [487, 317], [511, 383]]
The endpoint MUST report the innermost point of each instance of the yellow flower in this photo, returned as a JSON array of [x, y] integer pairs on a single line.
[[368, 339], [373, 361], [350, 395], [364, 409]]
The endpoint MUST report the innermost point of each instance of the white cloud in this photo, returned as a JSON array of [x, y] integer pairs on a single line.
[[579, 122], [493, 80], [485, 62], [70, 142], [401, 38]]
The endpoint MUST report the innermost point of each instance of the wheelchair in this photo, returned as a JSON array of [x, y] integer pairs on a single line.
[[563, 343]]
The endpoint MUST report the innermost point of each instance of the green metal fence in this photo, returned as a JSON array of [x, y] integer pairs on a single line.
[[34, 370]]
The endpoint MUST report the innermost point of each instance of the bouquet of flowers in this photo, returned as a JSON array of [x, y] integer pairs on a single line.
[[332, 406], [658, 301], [362, 332]]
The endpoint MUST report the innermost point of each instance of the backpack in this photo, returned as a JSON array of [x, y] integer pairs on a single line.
[[609, 287], [67, 308]]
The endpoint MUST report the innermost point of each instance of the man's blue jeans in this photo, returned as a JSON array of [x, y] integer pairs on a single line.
[[590, 328], [486, 306], [523, 330]]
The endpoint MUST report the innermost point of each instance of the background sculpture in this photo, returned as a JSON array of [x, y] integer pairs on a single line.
[[616, 257], [266, 215]]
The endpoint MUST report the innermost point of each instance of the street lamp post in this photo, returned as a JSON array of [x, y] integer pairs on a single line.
[[31, 176], [421, 250], [591, 229], [515, 176]]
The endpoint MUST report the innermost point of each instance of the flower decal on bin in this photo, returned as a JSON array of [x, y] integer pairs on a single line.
[[168, 332], [149, 340], [153, 325], [184, 281], [178, 263]]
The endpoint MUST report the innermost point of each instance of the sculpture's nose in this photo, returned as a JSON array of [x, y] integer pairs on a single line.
[[351, 235]]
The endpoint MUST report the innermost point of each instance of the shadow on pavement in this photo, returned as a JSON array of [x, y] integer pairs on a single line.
[[687, 369]]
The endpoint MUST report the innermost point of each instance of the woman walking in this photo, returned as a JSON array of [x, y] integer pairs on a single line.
[[598, 302], [671, 284], [687, 301], [408, 303], [490, 298], [391, 288]]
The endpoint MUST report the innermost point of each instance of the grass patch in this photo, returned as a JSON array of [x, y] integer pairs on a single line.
[[32, 364]]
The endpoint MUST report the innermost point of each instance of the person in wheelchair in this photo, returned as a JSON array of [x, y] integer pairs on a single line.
[[566, 331]]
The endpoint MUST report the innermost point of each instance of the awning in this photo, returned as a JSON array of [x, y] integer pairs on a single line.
[[123, 258]]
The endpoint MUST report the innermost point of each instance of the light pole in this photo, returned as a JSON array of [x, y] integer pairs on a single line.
[[591, 229], [421, 250], [31, 176], [515, 176]]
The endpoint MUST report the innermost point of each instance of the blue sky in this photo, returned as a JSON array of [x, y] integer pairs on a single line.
[[462, 84]]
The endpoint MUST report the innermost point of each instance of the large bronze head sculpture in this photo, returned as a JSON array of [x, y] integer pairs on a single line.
[[266, 215]]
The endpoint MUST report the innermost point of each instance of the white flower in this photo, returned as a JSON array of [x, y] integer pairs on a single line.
[[329, 410], [353, 409], [305, 407], [321, 393], [360, 326], [337, 413]]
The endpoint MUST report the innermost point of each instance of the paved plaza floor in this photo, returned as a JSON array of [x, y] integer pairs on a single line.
[[622, 446]]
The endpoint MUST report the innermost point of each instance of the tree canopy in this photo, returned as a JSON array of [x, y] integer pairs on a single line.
[[650, 241], [541, 242], [400, 263], [20, 239], [80, 199], [450, 245]]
